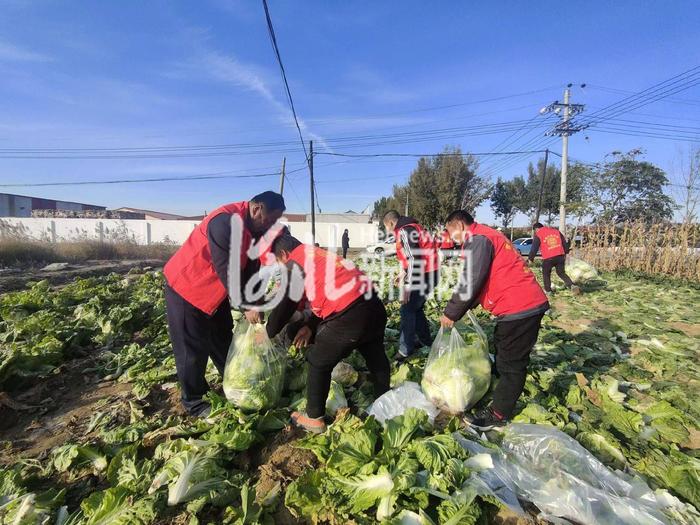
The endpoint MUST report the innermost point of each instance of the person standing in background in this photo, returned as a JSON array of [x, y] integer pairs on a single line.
[[345, 243], [553, 246]]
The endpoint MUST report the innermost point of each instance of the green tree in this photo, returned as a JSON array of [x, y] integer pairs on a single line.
[[437, 186], [503, 201], [529, 191], [625, 188]]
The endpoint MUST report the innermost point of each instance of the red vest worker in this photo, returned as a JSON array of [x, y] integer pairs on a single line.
[[348, 316], [197, 290], [418, 255], [553, 247], [498, 279]]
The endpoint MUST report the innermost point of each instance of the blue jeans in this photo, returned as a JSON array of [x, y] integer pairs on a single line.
[[414, 324]]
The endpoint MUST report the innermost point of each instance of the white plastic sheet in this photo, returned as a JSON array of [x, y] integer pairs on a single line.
[[547, 467], [395, 402]]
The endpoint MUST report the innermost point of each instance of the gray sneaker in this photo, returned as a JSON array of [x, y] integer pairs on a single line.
[[204, 413]]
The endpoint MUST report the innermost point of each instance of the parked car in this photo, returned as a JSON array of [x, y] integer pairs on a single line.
[[383, 248], [523, 245]]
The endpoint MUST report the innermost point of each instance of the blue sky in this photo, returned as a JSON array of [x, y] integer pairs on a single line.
[[159, 74]]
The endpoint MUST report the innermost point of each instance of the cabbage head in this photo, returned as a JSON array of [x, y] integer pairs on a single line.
[[580, 271], [336, 399], [457, 373], [254, 373], [344, 374]]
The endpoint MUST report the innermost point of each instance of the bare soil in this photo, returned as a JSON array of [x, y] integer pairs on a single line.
[[54, 410], [691, 330], [280, 463], [17, 278]]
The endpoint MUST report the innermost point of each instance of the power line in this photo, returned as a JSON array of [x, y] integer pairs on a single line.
[[369, 155], [626, 92], [206, 176], [656, 92], [275, 47]]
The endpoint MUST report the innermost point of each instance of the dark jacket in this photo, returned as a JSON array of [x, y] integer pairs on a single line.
[[345, 240]]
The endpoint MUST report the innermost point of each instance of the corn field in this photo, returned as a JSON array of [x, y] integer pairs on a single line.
[[656, 249]]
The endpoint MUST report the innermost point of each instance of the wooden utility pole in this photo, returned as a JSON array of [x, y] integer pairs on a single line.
[[313, 203], [539, 197], [284, 164]]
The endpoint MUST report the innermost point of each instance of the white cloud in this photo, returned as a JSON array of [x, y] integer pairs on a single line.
[[12, 53], [229, 69]]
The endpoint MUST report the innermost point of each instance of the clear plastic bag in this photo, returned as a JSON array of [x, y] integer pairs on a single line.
[[580, 271], [563, 479], [396, 401], [254, 372], [457, 374]]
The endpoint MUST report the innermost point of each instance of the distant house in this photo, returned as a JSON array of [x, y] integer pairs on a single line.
[[12, 205], [294, 217], [153, 215], [349, 216]]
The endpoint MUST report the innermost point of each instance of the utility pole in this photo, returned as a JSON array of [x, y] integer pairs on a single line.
[[284, 165], [564, 163], [539, 197], [313, 203], [405, 211], [564, 129]]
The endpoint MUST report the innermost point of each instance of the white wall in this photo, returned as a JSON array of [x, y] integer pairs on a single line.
[[156, 231]]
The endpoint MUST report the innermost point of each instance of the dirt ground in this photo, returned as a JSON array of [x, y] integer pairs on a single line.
[[12, 279], [52, 411]]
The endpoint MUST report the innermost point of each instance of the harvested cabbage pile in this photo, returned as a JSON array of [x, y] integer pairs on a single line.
[[580, 271], [457, 374], [254, 372]]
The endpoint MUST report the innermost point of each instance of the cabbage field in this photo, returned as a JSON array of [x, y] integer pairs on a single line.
[[92, 432]]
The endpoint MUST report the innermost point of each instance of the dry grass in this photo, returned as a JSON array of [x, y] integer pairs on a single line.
[[14, 252], [657, 249]]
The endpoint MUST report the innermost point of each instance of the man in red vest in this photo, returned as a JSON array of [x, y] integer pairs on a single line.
[[553, 246], [197, 289], [417, 253], [497, 278], [348, 316]]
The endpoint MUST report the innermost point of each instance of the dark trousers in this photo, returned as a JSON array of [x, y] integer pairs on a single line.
[[359, 327], [345, 252], [196, 337], [514, 340], [414, 324], [558, 263]]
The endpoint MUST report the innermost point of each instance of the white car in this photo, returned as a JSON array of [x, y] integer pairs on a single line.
[[383, 248]]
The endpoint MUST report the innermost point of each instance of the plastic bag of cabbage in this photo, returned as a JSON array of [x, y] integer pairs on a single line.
[[580, 271], [457, 374], [254, 372]]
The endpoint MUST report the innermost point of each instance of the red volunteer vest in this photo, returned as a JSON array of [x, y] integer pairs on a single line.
[[190, 271], [550, 242], [445, 242], [331, 283], [426, 244], [511, 286]]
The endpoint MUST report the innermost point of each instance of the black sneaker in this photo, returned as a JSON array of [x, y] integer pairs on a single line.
[[486, 419]]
